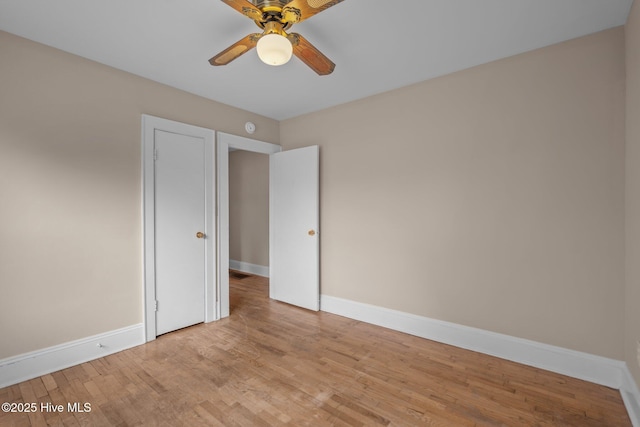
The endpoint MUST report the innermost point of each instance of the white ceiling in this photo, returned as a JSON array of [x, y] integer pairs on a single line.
[[377, 45]]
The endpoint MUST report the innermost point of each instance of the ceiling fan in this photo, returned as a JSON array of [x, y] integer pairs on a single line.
[[274, 45]]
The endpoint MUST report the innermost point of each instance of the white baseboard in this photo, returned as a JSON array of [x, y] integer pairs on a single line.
[[26, 366], [596, 369], [245, 267]]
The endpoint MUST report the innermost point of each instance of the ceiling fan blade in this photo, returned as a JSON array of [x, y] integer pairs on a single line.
[[298, 10], [310, 55], [235, 50], [246, 8]]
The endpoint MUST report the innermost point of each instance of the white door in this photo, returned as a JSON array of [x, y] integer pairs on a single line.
[[294, 250], [179, 230]]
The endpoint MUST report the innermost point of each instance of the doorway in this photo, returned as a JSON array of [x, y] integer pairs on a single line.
[[293, 221], [225, 142], [249, 212]]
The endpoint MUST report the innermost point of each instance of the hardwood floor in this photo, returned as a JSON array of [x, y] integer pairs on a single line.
[[273, 364]]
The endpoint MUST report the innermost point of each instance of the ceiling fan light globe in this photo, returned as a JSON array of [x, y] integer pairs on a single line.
[[274, 49]]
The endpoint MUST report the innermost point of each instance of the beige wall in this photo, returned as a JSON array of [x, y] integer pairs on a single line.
[[492, 197], [249, 207], [633, 190], [70, 183]]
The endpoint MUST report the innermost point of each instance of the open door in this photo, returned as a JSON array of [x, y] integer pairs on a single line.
[[294, 212]]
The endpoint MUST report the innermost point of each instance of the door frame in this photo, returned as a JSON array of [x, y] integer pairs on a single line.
[[149, 125], [224, 142]]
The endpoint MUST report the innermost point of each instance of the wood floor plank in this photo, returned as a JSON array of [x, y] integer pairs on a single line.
[[272, 364]]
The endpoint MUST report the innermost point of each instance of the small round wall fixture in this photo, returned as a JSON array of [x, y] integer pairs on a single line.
[[250, 127]]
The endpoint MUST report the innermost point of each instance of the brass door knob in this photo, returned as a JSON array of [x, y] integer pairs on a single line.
[[200, 235], [312, 232]]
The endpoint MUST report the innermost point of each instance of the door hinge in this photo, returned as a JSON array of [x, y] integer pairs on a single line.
[[155, 305], [155, 154]]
